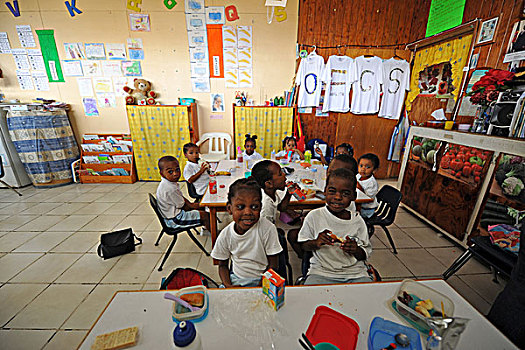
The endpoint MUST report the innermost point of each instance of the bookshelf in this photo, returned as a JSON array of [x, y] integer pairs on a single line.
[[107, 158]]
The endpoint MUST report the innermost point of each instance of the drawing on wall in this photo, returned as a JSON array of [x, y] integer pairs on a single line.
[[111, 69], [245, 78], [217, 103], [215, 15], [244, 36], [91, 68], [131, 68], [139, 22], [116, 51], [230, 57], [74, 51], [72, 68], [196, 21], [199, 54], [101, 84], [198, 38], [90, 107], [200, 85], [106, 100], [229, 37], [488, 29], [231, 77], [85, 88], [95, 51], [194, 6]]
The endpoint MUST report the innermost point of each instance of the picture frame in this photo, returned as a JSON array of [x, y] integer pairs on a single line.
[[487, 30]]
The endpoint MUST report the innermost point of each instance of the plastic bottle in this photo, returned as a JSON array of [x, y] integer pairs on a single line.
[[307, 156], [272, 156], [185, 336], [239, 155], [213, 185]]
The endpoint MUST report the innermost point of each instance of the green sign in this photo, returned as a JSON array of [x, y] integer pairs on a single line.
[[443, 15], [46, 37]]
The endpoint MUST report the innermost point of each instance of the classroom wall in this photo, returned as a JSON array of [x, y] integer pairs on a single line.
[[166, 62]]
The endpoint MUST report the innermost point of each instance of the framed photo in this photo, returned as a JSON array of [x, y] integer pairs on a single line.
[[217, 103], [516, 47], [487, 31]]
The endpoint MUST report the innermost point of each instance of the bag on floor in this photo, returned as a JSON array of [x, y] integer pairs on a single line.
[[117, 243], [183, 277]]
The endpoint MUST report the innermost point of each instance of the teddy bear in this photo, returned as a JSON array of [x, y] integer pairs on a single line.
[[141, 94]]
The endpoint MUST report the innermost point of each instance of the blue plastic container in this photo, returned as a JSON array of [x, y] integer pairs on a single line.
[[382, 332]]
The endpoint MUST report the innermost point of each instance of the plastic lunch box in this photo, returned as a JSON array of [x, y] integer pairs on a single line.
[[194, 316], [414, 318]]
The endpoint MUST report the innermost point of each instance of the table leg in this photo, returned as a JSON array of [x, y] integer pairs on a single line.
[[213, 229]]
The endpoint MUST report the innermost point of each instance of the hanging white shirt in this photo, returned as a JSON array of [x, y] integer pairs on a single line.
[[396, 81], [367, 85], [308, 78], [338, 76]]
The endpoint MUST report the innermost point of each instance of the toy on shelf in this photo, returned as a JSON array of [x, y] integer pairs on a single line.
[[141, 94]]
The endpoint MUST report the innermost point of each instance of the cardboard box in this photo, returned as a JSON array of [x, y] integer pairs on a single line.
[[273, 288]]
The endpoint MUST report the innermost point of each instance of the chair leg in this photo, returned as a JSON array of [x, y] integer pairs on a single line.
[[389, 238], [14, 189], [290, 273], [160, 236], [196, 241], [456, 265], [168, 252]]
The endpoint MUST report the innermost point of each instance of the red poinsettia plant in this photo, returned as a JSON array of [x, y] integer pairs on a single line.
[[486, 90]]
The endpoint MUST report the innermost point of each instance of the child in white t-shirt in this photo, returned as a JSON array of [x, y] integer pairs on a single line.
[[250, 154], [337, 237], [366, 182], [176, 210], [193, 172], [290, 145], [250, 241]]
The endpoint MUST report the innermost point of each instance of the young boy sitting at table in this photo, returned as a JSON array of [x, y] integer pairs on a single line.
[[337, 237], [275, 198], [193, 172], [250, 241], [177, 211]]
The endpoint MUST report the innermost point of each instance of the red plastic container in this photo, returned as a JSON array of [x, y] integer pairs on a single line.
[[330, 326]]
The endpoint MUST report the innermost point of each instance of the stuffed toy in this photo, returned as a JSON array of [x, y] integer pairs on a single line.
[[141, 94]]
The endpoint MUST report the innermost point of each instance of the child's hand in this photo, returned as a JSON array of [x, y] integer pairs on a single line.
[[291, 187], [204, 166], [323, 239], [349, 246], [318, 151]]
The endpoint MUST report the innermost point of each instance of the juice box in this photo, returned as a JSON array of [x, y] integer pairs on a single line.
[[273, 288]]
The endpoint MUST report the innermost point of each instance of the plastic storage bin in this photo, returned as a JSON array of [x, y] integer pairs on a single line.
[[194, 316], [423, 292], [186, 101]]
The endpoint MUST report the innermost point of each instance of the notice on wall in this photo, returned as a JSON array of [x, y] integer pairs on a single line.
[[92, 68], [90, 107], [5, 46], [116, 51], [46, 37], [443, 15], [25, 35], [111, 69], [36, 60], [72, 68], [21, 59], [200, 84], [95, 51], [74, 51], [41, 81], [85, 87], [118, 85], [24, 80]]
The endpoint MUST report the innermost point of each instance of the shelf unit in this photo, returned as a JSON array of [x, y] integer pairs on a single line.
[[130, 168]]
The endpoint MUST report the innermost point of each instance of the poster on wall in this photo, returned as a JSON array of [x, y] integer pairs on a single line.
[[111, 69], [5, 46], [199, 54], [95, 51], [116, 51], [516, 46], [231, 77], [230, 57], [217, 103], [74, 51], [48, 45], [245, 57], [106, 100], [85, 87], [200, 85], [488, 30], [21, 59], [215, 15], [36, 60], [245, 78], [25, 35], [194, 6], [198, 39], [118, 85], [101, 84], [196, 21], [91, 68], [135, 49], [443, 15], [200, 70], [24, 80], [229, 37], [139, 22], [244, 36], [90, 107], [131, 68], [72, 68], [40, 80]]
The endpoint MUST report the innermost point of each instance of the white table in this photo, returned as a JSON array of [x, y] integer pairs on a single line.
[[362, 302], [217, 202]]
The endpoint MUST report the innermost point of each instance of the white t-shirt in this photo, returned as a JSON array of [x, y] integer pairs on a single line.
[[396, 81], [269, 206], [370, 188], [284, 153], [331, 261], [169, 198], [367, 85], [248, 251], [251, 158], [202, 182], [308, 78], [338, 76]]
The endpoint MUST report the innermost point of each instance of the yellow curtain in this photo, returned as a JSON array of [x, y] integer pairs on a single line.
[[454, 51], [270, 124], [157, 131]]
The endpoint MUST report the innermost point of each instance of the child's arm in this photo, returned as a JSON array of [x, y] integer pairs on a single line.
[[283, 205], [273, 262], [301, 155], [314, 244], [350, 247], [198, 174], [320, 153], [190, 206], [359, 187], [224, 273]]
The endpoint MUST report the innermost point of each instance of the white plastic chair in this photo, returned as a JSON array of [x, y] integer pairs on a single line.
[[218, 146]]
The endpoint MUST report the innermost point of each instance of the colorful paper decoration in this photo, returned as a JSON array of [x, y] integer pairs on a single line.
[[215, 50], [170, 4], [46, 37], [72, 7], [133, 5], [280, 14], [231, 13], [15, 10]]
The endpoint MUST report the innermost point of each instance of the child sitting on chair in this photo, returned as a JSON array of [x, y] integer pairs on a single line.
[[337, 237], [275, 197], [250, 241], [344, 148], [193, 172], [250, 154], [177, 211], [366, 182], [290, 145]]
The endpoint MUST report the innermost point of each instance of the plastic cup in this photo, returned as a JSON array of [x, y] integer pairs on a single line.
[[449, 124]]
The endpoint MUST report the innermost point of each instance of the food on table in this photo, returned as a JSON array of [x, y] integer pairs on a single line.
[[194, 299], [427, 304], [307, 181], [309, 193], [222, 173], [120, 339], [423, 307], [335, 238], [306, 165], [422, 311]]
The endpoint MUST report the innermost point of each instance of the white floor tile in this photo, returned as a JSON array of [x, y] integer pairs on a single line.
[[12, 264], [122, 208], [14, 297], [78, 242], [12, 240], [43, 243], [40, 209], [102, 223], [47, 268], [72, 223], [65, 340], [14, 208], [13, 339], [94, 208], [67, 209], [136, 222], [90, 268], [132, 268], [52, 307], [41, 223], [14, 222]]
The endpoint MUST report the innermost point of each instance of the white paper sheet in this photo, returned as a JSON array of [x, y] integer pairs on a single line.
[[194, 6], [24, 80], [85, 87], [135, 43], [229, 37], [72, 68], [244, 36], [116, 51], [21, 59], [74, 51], [5, 46], [25, 35], [215, 15], [198, 38], [199, 54], [439, 114], [41, 81], [245, 57], [92, 68], [195, 21], [36, 60], [200, 70], [95, 51], [230, 57], [231, 77], [106, 100], [200, 85], [118, 85], [101, 84], [111, 69], [245, 78]]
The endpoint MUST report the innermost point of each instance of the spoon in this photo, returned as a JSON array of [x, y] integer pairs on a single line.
[[402, 339], [180, 301]]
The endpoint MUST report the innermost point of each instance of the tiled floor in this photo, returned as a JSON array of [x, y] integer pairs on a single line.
[[53, 284]]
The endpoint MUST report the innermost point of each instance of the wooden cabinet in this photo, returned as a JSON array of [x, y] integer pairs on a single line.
[[452, 204], [110, 161]]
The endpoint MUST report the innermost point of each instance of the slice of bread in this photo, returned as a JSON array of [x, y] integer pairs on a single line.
[[120, 339], [195, 299]]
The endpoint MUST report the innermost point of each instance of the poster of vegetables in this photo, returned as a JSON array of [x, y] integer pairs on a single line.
[[467, 164], [510, 177], [424, 150]]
